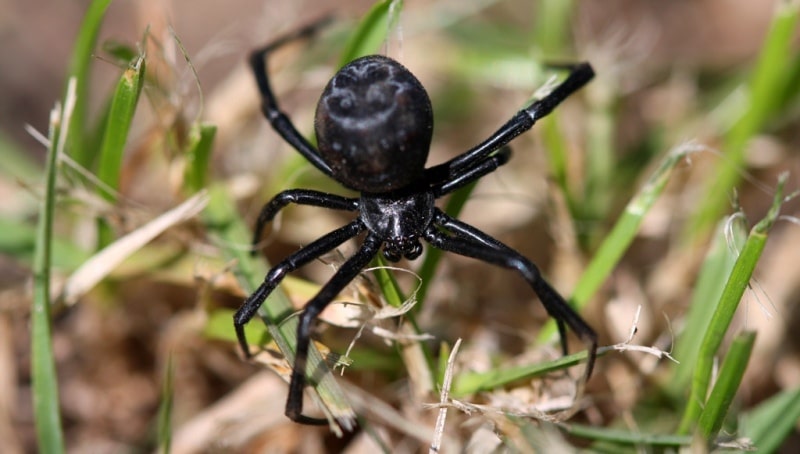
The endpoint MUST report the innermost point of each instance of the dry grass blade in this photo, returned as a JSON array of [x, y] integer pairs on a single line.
[[104, 262], [444, 395], [234, 421]]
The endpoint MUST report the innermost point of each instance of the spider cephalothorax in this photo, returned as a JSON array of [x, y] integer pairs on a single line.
[[374, 126]]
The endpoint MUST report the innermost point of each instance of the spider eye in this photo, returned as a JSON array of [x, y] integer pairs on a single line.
[[374, 124]]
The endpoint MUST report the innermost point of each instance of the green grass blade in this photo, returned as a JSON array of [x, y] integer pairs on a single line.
[[622, 235], [198, 153], [123, 107], [372, 31], [49, 432], [625, 437], [389, 287], [728, 381], [471, 382], [553, 21], [165, 408], [395, 296], [723, 315], [600, 159], [233, 237], [764, 91], [555, 147], [589, 204], [711, 280], [120, 117], [80, 70], [772, 421]]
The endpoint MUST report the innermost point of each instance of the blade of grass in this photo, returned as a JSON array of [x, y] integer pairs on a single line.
[[729, 302], [553, 25], [590, 203], [600, 160], [728, 381], [120, 117], [231, 234], [624, 437], [555, 147], [372, 31], [472, 382], [623, 233], [165, 409], [711, 280], [416, 355], [79, 69], [390, 288], [47, 415], [775, 418], [118, 122], [763, 96], [198, 153], [96, 268]]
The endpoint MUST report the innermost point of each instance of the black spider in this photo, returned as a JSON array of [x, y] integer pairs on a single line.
[[374, 124]]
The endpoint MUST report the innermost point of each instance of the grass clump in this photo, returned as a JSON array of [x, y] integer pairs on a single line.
[[138, 245]]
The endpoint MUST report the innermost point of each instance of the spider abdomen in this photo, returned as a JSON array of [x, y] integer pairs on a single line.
[[374, 124]]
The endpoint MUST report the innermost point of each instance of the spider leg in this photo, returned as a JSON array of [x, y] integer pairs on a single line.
[[463, 230], [300, 197], [275, 275], [445, 184], [269, 103], [346, 273], [580, 74], [466, 231], [471, 242]]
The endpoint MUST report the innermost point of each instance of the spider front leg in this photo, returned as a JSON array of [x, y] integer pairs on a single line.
[[269, 103], [580, 74], [348, 271], [445, 183], [471, 242], [300, 197], [305, 255]]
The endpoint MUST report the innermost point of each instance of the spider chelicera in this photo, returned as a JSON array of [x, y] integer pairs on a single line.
[[374, 125]]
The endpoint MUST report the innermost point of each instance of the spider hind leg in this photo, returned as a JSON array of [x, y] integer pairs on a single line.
[[471, 242]]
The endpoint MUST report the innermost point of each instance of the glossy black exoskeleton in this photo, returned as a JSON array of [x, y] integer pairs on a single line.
[[374, 125]]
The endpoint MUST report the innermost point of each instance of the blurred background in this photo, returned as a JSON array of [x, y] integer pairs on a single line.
[[668, 74]]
